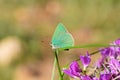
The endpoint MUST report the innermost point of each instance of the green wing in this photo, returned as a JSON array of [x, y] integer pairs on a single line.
[[61, 37], [59, 31]]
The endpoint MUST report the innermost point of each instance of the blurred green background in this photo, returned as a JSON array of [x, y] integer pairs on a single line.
[[26, 28]]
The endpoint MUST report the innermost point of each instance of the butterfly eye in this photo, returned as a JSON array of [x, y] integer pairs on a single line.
[[51, 44]]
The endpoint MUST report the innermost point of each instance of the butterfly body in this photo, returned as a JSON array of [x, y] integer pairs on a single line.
[[61, 38]]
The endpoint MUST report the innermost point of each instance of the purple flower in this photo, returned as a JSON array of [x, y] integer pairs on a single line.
[[74, 70], [105, 52], [117, 43], [115, 49], [85, 60], [85, 77], [114, 66], [106, 68], [105, 77], [95, 78]]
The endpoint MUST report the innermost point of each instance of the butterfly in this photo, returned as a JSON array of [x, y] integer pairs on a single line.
[[61, 38]]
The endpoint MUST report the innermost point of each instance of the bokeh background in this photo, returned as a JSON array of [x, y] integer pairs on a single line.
[[27, 26]]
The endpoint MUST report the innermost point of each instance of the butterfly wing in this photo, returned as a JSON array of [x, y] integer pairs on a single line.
[[61, 38], [66, 40], [60, 30]]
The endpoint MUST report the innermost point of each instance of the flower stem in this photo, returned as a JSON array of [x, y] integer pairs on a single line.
[[58, 65], [53, 70], [87, 46]]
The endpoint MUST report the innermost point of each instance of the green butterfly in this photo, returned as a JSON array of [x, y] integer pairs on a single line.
[[61, 38]]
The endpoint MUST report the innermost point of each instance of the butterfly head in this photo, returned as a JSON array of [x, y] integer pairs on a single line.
[[53, 46]]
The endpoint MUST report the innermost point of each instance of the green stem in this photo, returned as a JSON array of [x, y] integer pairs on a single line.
[[53, 70], [86, 46], [58, 65]]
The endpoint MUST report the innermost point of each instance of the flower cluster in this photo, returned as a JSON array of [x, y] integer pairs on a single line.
[[106, 68]]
